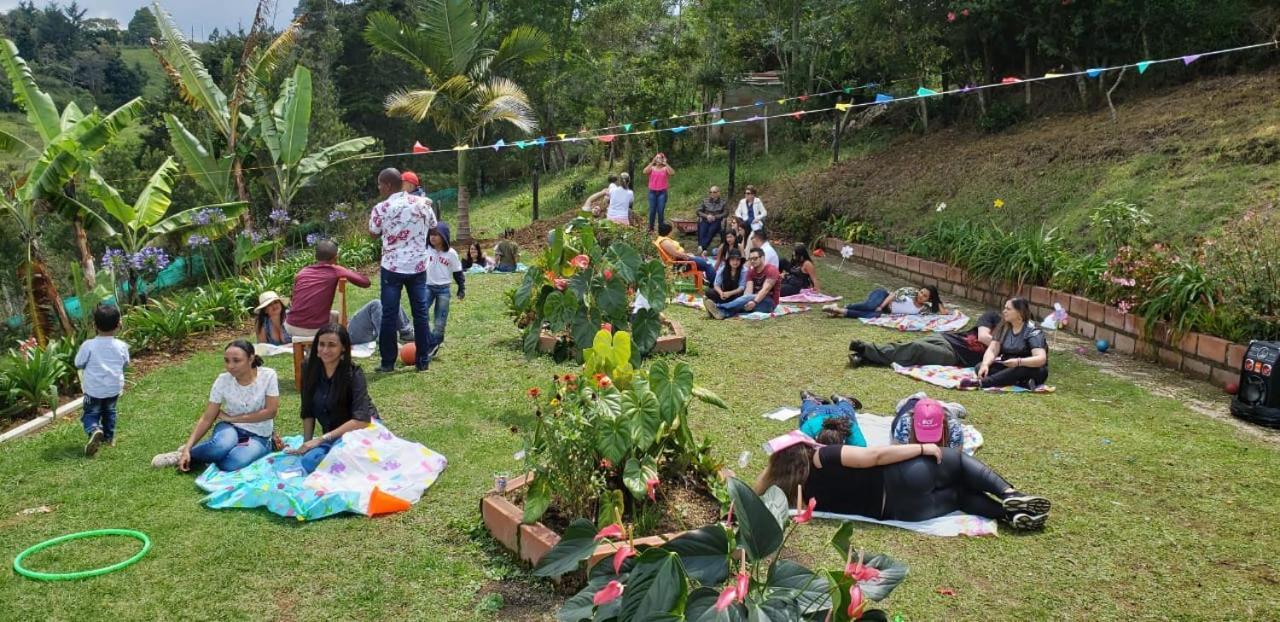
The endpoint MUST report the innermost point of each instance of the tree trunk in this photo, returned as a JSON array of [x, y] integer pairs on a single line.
[[1026, 73], [42, 294], [464, 204], [86, 256], [237, 173]]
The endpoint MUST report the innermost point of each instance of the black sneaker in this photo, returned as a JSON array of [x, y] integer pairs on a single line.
[[1017, 503], [809, 395], [95, 441], [969, 384], [423, 367], [431, 354], [1028, 522], [857, 346], [855, 359], [384, 370], [836, 398]]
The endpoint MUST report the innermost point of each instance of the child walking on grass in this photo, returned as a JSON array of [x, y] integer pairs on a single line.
[[103, 360]]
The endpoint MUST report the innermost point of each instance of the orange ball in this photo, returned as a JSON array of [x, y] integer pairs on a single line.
[[409, 353]]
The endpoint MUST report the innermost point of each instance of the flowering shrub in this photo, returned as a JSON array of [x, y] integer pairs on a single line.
[[735, 570]]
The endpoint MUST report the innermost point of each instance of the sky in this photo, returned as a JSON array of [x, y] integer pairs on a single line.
[[202, 15]]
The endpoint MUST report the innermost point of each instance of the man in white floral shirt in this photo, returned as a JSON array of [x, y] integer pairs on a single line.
[[402, 220]]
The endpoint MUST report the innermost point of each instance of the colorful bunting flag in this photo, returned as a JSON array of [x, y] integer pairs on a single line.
[[677, 130], [561, 136], [674, 116], [1054, 75], [803, 98], [1142, 66], [882, 98], [797, 114], [843, 107], [923, 92], [542, 141], [607, 138], [782, 101], [499, 145], [848, 90], [522, 143], [419, 148], [653, 123], [626, 127], [1190, 58], [1093, 73], [460, 147], [1011, 80], [756, 118], [759, 103], [720, 122]]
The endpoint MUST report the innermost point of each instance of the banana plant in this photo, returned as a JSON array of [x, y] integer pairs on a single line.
[[283, 130], [147, 220], [67, 142]]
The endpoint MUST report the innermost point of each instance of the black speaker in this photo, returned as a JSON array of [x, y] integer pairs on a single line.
[[1258, 398]]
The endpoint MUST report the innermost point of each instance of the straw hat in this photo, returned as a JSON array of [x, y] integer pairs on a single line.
[[266, 298]]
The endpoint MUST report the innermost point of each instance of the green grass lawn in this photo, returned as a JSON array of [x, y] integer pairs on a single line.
[[1159, 512]]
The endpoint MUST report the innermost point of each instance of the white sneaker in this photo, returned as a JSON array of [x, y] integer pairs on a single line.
[[167, 459]]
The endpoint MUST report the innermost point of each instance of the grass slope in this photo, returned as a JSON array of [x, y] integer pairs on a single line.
[[1159, 512], [146, 59]]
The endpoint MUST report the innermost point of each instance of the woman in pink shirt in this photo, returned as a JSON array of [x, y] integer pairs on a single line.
[[659, 173]]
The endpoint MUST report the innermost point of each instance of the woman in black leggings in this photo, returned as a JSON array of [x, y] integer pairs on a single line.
[[1017, 355], [898, 482]]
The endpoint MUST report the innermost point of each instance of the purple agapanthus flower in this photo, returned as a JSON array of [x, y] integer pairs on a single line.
[[313, 238], [279, 215], [336, 215], [196, 239], [150, 260], [115, 260]]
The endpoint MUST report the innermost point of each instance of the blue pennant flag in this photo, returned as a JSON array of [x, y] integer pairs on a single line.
[[653, 122], [923, 92], [1142, 66], [542, 141], [522, 143], [759, 103], [1093, 73], [677, 130], [500, 144], [882, 98], [626, 127], [720, 122]]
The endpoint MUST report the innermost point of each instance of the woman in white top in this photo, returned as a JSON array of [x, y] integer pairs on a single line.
[[443, 266], [751, 210], [242, 405], [620, 198], [903, 301]]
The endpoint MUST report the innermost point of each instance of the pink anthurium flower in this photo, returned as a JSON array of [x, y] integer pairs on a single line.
[[560, 284], [856, 602], [608, 274], [727, 597], [861, 573], [806, 514], [651, 488], [743, 585], [612, 531], [620, 556], [580, 262], [606, 327], [607, 594]]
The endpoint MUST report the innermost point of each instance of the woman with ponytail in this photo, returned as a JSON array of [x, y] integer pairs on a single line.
[[241, 407]]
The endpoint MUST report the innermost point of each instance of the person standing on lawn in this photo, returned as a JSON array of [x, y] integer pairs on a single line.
[[659, 173], [402, 221], [103, 359], [443, 266]]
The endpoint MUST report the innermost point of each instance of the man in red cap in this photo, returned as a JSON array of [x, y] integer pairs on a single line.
[[410, 184]]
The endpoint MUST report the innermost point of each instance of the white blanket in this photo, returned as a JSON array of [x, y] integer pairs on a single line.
[[358, 350]]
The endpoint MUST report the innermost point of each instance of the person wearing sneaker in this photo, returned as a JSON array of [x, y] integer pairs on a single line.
[[443, 267], [815, 411], [367, 322], [897, 482], [954, 349], [761, 295], [1018, 354], [730, 281], [242, 405], [336, 395], [103, 359]]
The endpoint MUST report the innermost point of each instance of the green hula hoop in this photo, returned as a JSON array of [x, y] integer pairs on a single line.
[[83, 574]]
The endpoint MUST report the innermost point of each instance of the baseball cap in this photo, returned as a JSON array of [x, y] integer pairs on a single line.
[[927, 421], [410, 177]]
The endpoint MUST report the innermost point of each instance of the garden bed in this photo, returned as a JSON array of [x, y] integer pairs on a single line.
[[672, 340]]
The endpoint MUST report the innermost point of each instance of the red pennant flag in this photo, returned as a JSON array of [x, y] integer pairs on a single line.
[[797, 114], [1010, 80], [607, 138], [418, 148], [803, 98]]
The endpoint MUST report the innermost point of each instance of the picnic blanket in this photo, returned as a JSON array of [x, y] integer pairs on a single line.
[[878, 430], [478, 269], [358, 350], [695, 302], [810, 296], [369, 471], [917, 323], [949, 378]]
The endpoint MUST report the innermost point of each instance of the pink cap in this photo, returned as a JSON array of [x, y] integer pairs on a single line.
[[794, 437], [927, 420]]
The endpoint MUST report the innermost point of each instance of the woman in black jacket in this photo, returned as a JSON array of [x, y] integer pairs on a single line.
[[335, 394]]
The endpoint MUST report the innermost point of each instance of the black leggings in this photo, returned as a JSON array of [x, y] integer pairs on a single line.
[[922, 488], [1001, 376]]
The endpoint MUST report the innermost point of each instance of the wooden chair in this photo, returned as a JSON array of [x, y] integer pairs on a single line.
[[681, 268], [300, 344]]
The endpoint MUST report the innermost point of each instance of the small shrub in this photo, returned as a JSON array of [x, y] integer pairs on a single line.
[[164, 325], [1184, 295], [31, 376], [1001, 116], [1118, 223], [1080, 273], [1245, 262]]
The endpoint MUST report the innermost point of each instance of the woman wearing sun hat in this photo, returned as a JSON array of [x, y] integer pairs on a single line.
[[270, 318]]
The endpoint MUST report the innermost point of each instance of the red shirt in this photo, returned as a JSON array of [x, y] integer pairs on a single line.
[[313, 291], [767, 273]]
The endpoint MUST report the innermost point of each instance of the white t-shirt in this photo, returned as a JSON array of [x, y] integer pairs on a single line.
[[770, 255], [441, 266], [620, 200], [236, 399]]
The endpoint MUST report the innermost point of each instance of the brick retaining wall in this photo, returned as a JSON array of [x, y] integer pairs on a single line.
[[1204, 356]]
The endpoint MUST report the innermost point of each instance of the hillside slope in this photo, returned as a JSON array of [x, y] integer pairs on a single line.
[[1194, 157]]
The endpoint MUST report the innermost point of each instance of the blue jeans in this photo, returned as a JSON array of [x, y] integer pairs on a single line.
[[708, 269], [657, 207], [437, 295], [736, 306], [868, 308], [100, 412], [416, 286], [230, 448], [502, 268], [313, 458], [813, 414], [366, 324], [707, 232]]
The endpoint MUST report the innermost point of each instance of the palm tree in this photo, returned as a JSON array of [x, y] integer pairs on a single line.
[[466, 89]]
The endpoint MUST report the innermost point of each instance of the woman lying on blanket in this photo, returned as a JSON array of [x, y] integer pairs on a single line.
[[730, 281], [242, 405], [1017, 355], [953, 349], [903, 301], [336, 395], [815, 411], [801, 274], [899, 482]]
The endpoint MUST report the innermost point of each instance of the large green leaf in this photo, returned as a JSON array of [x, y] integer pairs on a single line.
[[779, 609], [637, 474], [524, 294], [646, 327], [758, 530], [657, 586], [704, 552], [559, 309], [612, 506], [584, 326], [625, 260], [292, 114], [702, 607], [641, 412], [10, 144], [611, 297], [810, 590], [451, 27], [267, 129], [184, 66], [50, 174], [613, 438], [186, 219], [210, 173], [576, 544], [580, 607], [673, 384], [776, 501], [42, 114], [101, 130], [109, 197], [389, 35], [154, 200], [322, 160], [529, 339], [709, 397], [524, 45], [537, 498], [651, 280]]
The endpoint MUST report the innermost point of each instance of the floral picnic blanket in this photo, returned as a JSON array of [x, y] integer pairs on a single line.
[[358, 350], [916, 323], [695, 302], [478, 269], [811, 297], [949, 378], [369, 471]]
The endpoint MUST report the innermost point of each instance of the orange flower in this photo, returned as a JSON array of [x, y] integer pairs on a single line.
[[534, 392]]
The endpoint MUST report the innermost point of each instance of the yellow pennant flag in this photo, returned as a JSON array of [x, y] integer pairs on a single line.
[[843, 107], [782, 101], [561, 136], [1055, 75], [459, 147]]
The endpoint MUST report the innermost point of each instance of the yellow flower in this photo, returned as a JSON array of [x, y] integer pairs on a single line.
[[999, 203], [555, 402]]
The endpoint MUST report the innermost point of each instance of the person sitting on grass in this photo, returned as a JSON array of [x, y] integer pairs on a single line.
[[903, 301], [336, 396], [506, 254], [815, 412], [475, 257], [270, 314], [954, 349], [1018, 354], [913, 482], [730, 281], [242, 404], [103, 360], [761, 295], [760, 239], [801, 274], [674, 252], [729, 240]]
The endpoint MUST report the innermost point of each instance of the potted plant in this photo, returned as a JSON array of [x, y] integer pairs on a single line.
[[731, 570], [608, 443]]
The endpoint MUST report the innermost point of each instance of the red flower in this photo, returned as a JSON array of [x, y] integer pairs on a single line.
[[727, 597], [621, 556], [608, 274], [534, 392], [951, 16], [607, 594], [651, 488], [805, 515], [580, 262], [603, 381], [560, 284], [607, 327], [856, 603], [568, 378], [612, 531], [605, 463], [965, 12], [551, 276], [744, 584], [858, 572]]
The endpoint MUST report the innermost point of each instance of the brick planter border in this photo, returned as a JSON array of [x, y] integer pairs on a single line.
[[674, 343], [1203, 356]]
